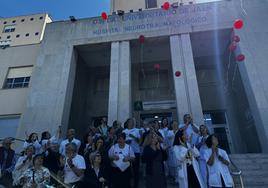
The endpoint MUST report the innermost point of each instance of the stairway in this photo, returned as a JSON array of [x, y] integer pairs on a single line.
[[254, 169]]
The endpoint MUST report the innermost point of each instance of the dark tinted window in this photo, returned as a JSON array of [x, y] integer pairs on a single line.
[[150, 3], [17, 82]]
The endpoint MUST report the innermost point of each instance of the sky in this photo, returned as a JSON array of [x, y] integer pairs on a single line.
[[57, 9]]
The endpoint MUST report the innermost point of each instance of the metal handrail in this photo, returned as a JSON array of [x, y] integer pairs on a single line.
[[54, 176], [238, 173]]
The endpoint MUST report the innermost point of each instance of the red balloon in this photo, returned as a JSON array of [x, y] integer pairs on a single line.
[[166, 6], [157, 67], [236, 38], [141, 39], [238, 24], [104, 16], [178, 73], [240, 57], [232, 46]]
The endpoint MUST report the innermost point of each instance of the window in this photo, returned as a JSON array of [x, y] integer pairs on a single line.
[[22, 20], [32, 19], [150, 4], [41, 18], [153, 80], [17, 36], [27, 35], [9, 28], [8, 37], [37, 33], [5, 22], [14, 21], [102, 84], [9, 125], [5, 43], [18, 77]]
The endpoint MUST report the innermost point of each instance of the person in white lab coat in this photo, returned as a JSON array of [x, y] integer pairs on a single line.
[[218, 162], [188, 172], [202, 147], [190, 129]]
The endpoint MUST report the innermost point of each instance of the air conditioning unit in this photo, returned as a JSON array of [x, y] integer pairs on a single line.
[[156, 105]]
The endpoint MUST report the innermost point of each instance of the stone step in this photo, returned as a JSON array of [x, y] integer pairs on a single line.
[[254, 169], [255, 173]]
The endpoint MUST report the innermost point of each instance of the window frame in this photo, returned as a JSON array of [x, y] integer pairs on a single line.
[[25, 83], [12, 29]]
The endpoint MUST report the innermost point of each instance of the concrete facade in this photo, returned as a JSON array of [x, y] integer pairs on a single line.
[[188, 38], [16, 53], [141, 4]]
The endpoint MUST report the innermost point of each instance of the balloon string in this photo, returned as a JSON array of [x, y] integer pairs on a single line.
[[158, 79], [141, 60], [107, 27], [227, 72], [236, 66]]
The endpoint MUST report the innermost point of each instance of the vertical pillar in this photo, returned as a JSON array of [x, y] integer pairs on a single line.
[[120, 83], [124, 105], [186, 87], [179, 83], [113, 88]]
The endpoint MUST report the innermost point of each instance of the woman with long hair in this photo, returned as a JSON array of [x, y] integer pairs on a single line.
[[154, 156], [33, 140], [87, 144], [188, 172], [218, 162]]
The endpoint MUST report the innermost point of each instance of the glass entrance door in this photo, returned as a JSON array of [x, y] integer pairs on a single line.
[[217, 124], [146, 118]]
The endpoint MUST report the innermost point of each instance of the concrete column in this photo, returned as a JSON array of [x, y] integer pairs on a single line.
[[120, 84], [124, 105], [113, 88], [186, 87], [179, 83]]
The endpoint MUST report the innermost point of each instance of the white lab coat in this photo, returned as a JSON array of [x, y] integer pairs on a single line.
[[218, 169], [180, 154]]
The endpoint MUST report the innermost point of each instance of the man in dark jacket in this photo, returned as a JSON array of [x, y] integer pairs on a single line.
[[7, 162]]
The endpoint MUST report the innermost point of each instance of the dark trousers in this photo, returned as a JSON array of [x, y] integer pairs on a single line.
[[121, 179], [136, 170], [192, 178], [6, 180]]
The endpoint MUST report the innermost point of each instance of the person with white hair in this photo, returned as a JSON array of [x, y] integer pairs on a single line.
[[74, 165]]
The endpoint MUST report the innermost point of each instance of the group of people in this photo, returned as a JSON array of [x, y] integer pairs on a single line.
[[115, 157]]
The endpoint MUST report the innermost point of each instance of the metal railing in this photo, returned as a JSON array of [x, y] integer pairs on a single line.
[[236, 172], [61, 183]]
